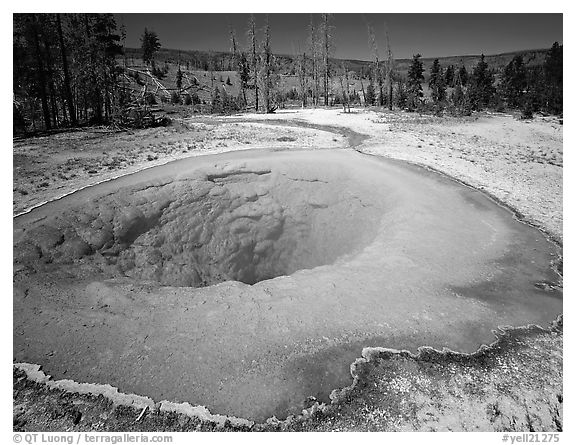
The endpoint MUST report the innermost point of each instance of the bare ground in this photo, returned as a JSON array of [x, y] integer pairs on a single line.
[[516, 385], [518, 162], [48, 167]]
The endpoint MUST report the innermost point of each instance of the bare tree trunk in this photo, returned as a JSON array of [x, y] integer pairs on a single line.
[[50, 72], [267, 69], [64, 113], [377, 68], [390, 74], [314, 52], [347, 80], [41, 73], [254, 60], [343, 93], [106, 97], [67, 90], [85, 104], [266, 73], [301, 70], [304, 82], [53, 104], [94, 95], [234, 49], [326, 54], [233, 46], [345, 87], [33, 113]]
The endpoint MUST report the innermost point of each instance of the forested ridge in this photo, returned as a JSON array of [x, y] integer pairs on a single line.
[[73, 70]]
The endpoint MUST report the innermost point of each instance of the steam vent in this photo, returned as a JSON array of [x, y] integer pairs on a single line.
[[248, 282]]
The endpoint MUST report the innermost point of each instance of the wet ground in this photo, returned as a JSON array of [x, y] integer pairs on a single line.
[[514, 385], [431, 262]]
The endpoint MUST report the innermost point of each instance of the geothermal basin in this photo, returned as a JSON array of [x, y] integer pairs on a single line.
[[248, 282]]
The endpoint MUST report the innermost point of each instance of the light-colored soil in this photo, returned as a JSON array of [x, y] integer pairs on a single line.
[[519, 162], [48, 167], [529, 181], [515, 385]]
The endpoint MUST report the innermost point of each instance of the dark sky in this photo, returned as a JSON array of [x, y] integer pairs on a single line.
[[432, 35]]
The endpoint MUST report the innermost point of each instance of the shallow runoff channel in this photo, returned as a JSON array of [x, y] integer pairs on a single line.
[[248, 282]]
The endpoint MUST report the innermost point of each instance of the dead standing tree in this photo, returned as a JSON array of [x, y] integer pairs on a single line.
[[302, 78], [344, 80], [313, 50], [377, 69], [236, 58], [253, 55], [268, 76], [326, 49], [389, 72], [234, 49], [363, 92]]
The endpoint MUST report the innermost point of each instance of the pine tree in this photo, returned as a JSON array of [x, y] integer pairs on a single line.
[[449, 76], [463, 76], [553, 78], [481, 89], [66, 72], [414, 84], [195, 99], [370, 98], [401, 93], [436, 82], [458, 96], [42, 81], [150, 45], [514, 82], [65, 68], [240, 101], [227, 102], [95, 52], [179, 76], [216, 103]]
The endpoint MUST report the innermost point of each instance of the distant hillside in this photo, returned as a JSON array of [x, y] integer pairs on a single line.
[[531, 57], [222, 61], [197, 79]]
